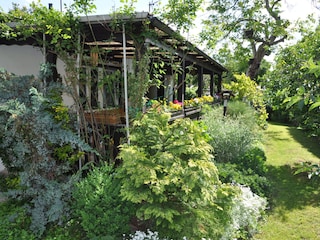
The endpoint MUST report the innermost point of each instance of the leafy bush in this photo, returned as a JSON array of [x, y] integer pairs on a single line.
[[234, 139], [14, 222], [310, 168], [29, 138], [243, 112], [246, 212], [232, 173], [98, 207], [168, 172], [231, 137], [247, 90], [253, 161]]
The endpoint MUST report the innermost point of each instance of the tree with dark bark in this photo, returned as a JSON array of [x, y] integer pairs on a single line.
[[254, 25]]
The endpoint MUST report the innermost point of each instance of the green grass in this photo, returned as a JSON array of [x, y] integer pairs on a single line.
[[295, 201]]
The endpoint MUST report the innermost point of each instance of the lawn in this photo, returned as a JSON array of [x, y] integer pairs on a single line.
[[295, 205]]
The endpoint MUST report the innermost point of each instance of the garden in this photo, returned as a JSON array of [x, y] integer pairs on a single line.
[[187, 179], [210, 178], [252, 173]]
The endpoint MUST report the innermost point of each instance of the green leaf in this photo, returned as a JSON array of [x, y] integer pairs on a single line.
[[314, 106]]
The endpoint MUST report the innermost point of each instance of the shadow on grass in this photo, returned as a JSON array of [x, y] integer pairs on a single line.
[[291, 191], [310, 143], [275, 135]]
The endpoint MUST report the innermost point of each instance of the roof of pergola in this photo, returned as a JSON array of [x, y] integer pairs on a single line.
[[98, 32]]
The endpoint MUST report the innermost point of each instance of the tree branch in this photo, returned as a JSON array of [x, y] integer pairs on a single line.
[[270, 9], [278, 41]]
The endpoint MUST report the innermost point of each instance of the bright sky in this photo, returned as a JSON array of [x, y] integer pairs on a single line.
[[293, 8], [103, 6]]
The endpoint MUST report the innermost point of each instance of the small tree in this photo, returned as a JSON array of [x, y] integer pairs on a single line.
[[167, 170]]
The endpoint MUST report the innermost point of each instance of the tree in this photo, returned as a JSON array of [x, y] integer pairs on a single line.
[[180, 13], [254, 25], [293, 85]]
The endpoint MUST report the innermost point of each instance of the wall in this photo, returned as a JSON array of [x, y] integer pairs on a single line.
[[26, 60], [21, 60]]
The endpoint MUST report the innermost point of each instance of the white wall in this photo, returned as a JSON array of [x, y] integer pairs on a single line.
[[26, 60], [1, 166], [21, 60]]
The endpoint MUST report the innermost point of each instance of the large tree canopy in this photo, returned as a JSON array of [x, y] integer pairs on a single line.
[[254, 25]]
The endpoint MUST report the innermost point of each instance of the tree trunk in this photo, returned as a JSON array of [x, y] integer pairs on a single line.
[[254, 64]]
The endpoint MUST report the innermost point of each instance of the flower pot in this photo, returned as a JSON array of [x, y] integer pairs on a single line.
[[105, 116]]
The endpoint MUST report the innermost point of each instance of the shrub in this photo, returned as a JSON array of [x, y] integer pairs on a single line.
[[311, 169], [247, 90], [253, 160], [168, 172], [30, 135], [235, 139], [14, 222], [232, 173], [244, 113], [230, 137], [246, 212], [98, 207]]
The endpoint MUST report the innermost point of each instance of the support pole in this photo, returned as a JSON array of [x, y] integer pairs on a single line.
[[125, 81]]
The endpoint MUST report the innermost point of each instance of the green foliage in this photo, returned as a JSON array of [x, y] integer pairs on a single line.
[[98, 206], [244, 112], [180, 13], [233, 173], [254, 161], [167, 171], [252, 29], [60, 28], [235, 140], [30, 136], [292, 86], [191, 92], [14, 222], [230, 137], [310, 168], [247, 90]]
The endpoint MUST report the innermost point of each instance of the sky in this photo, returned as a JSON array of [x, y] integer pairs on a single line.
[[103, 6], [293, 8]]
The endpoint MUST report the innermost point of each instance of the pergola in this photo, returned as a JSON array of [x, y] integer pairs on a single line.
[[99, 31]]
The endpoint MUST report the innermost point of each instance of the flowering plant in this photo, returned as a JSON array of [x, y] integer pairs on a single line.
[[198, 101], [175, 105], [246, 212]]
